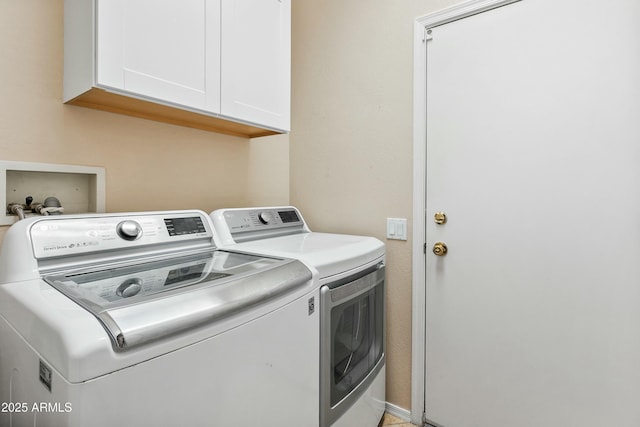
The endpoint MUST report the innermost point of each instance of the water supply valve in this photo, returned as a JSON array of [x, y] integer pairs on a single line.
[[16, 209], [51, 206]]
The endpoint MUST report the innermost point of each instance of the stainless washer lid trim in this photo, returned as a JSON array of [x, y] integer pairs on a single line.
[[134, 325]]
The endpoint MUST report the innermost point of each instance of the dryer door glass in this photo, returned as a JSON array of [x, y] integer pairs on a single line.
[[356, 341]]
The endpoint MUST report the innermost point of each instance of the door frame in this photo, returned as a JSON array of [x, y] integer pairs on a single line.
[[418, 303]]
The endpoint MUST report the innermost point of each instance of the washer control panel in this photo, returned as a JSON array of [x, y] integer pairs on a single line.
[[74, 235]]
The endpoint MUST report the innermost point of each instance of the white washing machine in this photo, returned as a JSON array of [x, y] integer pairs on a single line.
[[138, 320], [350, 271]]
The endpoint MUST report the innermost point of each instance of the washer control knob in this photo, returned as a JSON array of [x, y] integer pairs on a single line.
[[129, 230], [264, 218], [129, 288]]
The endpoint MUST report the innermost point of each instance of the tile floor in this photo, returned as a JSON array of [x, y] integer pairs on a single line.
[[390, 420]]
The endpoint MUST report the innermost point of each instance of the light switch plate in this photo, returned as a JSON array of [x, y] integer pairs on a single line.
[[397, 228]]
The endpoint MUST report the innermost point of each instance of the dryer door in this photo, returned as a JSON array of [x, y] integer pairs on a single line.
[[352, 340]]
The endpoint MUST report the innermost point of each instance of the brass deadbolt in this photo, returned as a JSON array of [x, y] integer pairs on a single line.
[[440, 218], [440, 249]]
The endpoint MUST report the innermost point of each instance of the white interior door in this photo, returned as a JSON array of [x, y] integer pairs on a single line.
[[533, 154]]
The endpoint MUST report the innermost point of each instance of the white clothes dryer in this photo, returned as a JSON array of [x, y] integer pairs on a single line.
[[139, 320], [351, 276]]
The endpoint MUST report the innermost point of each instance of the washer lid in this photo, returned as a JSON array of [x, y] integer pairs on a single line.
[[146, 301]]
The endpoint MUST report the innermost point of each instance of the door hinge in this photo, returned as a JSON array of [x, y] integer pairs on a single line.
[[428, 35], [424, 249]]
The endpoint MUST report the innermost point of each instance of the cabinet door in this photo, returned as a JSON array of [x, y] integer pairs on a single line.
[[256, 61], [166, 50]]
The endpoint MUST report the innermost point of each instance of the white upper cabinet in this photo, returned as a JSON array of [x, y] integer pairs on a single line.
[[163, 49], [256, 58], [221, 65]]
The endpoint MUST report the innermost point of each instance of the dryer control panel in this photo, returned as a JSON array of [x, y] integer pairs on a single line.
[[258, 223]]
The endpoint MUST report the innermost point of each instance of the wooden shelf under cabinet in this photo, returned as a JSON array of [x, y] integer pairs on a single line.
[[100, 99]]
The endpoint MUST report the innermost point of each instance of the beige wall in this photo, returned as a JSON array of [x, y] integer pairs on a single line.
[[149, 165], [349, 155], [351, 143]]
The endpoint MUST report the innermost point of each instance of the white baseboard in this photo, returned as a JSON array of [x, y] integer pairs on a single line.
[[396, 411]]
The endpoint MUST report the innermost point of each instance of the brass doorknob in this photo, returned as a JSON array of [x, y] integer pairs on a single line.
[[440, 249]]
